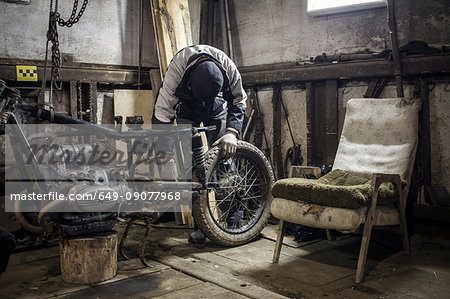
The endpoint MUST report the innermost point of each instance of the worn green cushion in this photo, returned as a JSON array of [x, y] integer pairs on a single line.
[[337, 188]]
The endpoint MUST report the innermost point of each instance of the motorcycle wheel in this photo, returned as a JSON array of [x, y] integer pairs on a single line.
[[237, 211]]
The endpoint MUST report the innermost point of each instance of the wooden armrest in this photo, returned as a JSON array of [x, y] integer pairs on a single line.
[[379, 178], [300, 171]]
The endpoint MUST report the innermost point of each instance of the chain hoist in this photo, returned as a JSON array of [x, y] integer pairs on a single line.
[[52, 36], [73, 19]]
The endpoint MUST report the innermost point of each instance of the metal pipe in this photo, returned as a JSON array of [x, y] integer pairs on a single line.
[[223, 28], [210, 21], [26, 225], [42, 215], [41, 100], [228, 26], [141, 26], [395, 52], [91, 128], [216, 11]]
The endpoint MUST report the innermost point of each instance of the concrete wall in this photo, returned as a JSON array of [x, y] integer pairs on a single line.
[[270, 31], [275, 31], [107, 33], [295, 101]]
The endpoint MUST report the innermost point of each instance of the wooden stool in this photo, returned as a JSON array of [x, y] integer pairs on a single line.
[[89, 259]]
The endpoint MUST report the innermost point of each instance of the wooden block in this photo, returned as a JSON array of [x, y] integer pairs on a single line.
[[108, 110], [130, 102], [187, 216], [86, 260]]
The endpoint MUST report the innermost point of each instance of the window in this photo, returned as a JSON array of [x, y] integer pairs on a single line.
[[326, 7]]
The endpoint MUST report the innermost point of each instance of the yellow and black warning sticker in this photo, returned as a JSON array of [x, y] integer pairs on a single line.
[[26, 73]]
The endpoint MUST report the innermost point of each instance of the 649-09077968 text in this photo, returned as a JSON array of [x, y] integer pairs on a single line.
[[99, 195]]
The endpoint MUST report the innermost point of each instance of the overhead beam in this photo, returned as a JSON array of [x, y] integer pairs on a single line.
[[80, 72], [289, 72]]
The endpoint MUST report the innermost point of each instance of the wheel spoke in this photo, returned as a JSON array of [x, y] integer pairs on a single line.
[[247, 209], [228, 212], [237, 213]]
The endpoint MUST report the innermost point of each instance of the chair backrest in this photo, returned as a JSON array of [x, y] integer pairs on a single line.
[[379, 136]]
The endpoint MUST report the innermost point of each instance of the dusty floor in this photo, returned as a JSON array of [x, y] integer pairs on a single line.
[[182, 270]]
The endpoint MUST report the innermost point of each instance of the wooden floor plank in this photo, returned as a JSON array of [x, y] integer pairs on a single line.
[[143, 286], [41, 279], [204, 291], [192, 267]]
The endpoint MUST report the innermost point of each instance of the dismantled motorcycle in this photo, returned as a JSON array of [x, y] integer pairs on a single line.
[[230, 199]]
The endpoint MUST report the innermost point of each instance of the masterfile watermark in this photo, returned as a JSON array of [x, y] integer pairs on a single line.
[[73, 168], [92, 155], [52, 195]]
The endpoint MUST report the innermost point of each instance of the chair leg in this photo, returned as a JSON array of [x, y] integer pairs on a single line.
[[402, 215], [279, 243], [363, 251], [364, 245]]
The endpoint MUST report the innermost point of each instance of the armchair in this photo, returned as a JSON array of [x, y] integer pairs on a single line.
[[369, 181]]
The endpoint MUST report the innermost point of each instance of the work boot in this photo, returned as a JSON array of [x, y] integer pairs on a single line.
[[197, 237]]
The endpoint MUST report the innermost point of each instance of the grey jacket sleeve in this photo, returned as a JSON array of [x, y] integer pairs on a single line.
[[236, 100], [236, 96]]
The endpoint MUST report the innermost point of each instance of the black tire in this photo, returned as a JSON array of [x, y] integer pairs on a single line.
[[232, 195]]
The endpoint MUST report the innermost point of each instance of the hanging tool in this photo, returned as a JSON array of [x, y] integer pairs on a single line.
[[375, 87], [294, 153], [140, 30], [255, 124], [250, 121]]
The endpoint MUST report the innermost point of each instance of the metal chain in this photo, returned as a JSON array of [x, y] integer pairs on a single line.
[[52, 33], [73, 19], [80, 101]]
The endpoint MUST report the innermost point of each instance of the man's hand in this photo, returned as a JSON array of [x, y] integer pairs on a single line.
[[228, 144]]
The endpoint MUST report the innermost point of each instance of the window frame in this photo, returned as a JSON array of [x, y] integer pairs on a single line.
[[315, 9]]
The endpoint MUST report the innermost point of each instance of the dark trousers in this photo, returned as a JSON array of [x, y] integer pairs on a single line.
[[164, 144]]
